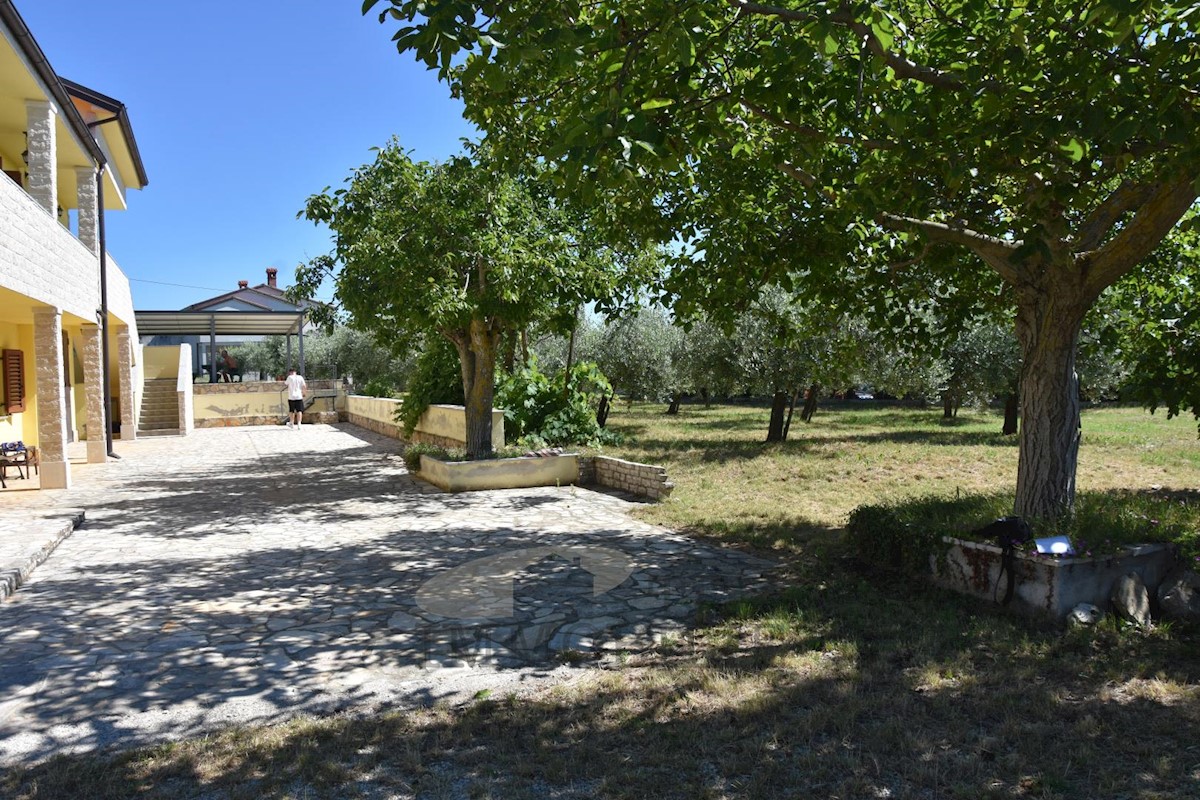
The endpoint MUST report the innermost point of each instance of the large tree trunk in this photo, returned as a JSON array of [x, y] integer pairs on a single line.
[[778, 410], [673, 409], [477, 354], [1048, 325]]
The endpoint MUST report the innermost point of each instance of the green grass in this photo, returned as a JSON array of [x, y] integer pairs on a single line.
[[732, 486], [843, 683]]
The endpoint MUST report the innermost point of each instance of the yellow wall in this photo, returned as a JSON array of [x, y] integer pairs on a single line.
[[160, 362], [21, 426], [447, 422], [451, 422], [12, 426], [240, 404]]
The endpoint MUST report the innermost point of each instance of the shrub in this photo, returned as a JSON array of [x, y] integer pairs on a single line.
[[436, 379], [378, 387], [414, 451], [536, 405]]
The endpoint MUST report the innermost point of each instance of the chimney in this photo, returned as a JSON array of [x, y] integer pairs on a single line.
[[243, 284], [271, 273]]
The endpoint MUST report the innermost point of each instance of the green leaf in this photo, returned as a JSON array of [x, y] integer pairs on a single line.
[[1074, 149], [657, 102]]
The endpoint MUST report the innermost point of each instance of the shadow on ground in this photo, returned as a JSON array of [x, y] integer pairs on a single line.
[[885, 691]]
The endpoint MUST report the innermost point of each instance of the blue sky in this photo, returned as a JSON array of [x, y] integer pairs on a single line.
[[241, 111]]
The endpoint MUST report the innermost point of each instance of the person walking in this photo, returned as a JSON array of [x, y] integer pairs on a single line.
[[297, 390]]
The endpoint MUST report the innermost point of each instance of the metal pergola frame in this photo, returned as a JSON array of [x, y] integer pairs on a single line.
[[225, 323]]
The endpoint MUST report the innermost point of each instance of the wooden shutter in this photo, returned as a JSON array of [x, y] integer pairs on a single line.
[[14, 381]]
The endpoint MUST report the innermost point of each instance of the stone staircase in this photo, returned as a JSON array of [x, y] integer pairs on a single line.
[[160, 409]]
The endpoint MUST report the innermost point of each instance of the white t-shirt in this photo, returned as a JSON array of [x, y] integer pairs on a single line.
[[296, 387]]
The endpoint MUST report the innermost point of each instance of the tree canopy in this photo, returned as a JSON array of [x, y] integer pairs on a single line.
[[859, 150]]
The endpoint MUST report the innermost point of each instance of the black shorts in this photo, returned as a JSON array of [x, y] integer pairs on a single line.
[[295, 406]]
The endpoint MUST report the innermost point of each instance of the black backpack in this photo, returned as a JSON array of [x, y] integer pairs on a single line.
[[1009, 533]]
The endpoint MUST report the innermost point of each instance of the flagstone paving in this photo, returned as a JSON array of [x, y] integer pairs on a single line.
[[246, 575]]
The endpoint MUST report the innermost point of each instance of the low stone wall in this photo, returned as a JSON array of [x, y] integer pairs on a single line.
[[310, 418], [499, 473], [231, 405], [441, 425], [374, 413], [438, 427], [645, 480], [1044, 584], [253, 387]]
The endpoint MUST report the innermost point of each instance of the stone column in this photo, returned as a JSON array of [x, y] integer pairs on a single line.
[[125, 379], [89, 209], [41, 157], [51, 398], [93, 390]]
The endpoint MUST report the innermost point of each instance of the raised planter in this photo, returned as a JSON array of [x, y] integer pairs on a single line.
[[1044, 584], [500, 473]]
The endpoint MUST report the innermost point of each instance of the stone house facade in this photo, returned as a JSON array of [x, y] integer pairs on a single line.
[[68, 156]]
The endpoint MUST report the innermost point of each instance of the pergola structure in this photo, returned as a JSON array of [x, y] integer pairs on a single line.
[[225, 323]]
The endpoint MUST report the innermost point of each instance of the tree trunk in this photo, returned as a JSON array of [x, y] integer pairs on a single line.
[[673, 409], [477, 354], [778, 409], [787, 424], [1011, 405], [570, 359], [603, 409], [810, 404], [1048, 329], [947, 405]]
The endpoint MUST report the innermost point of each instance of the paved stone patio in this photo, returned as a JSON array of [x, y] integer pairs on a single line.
[[246, 575]]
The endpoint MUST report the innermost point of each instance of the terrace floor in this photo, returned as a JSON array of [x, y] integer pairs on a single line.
[[250, 574]]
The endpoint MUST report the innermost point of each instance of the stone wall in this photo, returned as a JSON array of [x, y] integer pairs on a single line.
[[374, 414], [238, 404], [40, 259], [310, 418], [441, 425], [645, 480]]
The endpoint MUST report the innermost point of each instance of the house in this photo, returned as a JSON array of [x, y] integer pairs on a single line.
[[246, 314], [263, 297], [67, 330]]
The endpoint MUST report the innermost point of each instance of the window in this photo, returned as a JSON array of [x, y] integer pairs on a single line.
[[14, 381]]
